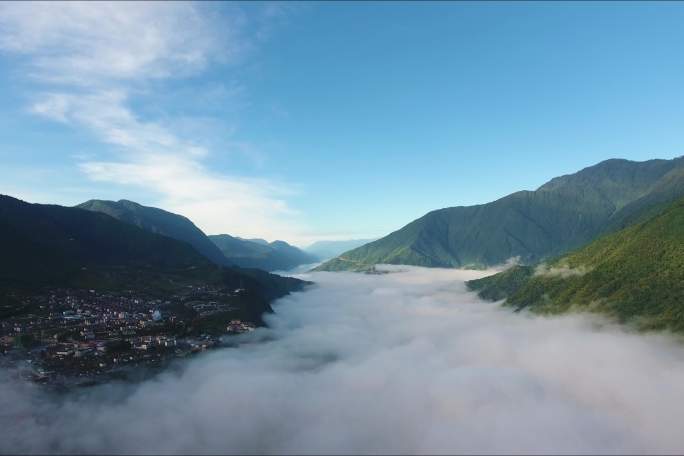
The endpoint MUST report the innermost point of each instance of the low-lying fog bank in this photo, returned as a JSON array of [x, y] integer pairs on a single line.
[[404, 362]]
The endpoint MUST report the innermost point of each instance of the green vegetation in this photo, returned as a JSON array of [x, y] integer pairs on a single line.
[[26, 341], [635, 275], [10, 306], [48, 246], [158, 221], [664, 192], [502, 285], [257, 253], [563, 214]]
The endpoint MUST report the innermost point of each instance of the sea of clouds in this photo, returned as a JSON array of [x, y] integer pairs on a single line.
[[407, 362]]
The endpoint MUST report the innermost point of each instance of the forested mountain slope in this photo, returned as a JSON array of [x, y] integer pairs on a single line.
[[158, 221], [563, 214], [635, 275], [50, 246]]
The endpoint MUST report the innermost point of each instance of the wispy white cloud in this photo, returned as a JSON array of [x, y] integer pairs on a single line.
[[90, 61], [91, 43], [105, 113], [213, 200]]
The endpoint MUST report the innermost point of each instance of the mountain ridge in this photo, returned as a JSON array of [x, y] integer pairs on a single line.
[[70, 247], [257, 253], [158, 221], [564, 213]]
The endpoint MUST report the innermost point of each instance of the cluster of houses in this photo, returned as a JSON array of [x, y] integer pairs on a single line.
[[83, 332], [205, 309], [238, 326]]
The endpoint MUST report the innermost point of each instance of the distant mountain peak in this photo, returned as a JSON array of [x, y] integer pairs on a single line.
[[279, 243], [158, 221], [257, 253], [256, 240], [565, 213]]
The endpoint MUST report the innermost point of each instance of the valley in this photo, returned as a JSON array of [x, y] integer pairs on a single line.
[[406, 359], [367, 228]]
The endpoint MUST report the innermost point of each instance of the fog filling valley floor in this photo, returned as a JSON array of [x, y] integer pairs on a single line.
[[402, 362]]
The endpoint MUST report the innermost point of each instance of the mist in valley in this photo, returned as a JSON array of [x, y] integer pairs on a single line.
[[403, 362]]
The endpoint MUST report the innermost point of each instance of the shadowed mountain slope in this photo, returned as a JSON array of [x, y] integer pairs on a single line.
[[250, 253], [65, 247], [158, 221]]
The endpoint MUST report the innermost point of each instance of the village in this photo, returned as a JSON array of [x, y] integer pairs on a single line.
[[82, 336]]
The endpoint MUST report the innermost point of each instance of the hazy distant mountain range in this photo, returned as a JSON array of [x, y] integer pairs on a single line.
[[325, 250], [258, 253], [635, 274], [221, 249], [565, 213]]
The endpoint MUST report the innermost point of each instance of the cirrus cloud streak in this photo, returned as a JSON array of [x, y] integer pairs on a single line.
[[89, 63]]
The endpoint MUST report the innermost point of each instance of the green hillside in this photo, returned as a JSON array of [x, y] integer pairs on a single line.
[[563, 214], [158, 221], [56, 246], [664, 192], [257, 253], [635, 275]]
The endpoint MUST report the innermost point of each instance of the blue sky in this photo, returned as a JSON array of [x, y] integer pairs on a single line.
[[329, 120]]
